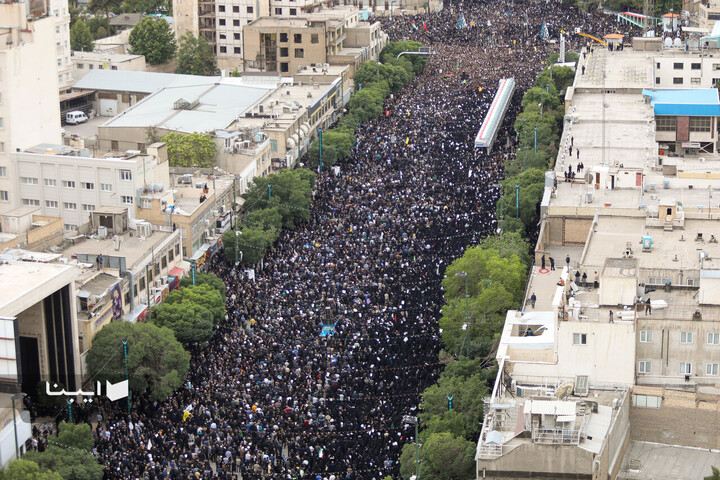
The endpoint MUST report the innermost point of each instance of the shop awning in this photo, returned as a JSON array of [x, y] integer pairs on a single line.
[[177, 272]]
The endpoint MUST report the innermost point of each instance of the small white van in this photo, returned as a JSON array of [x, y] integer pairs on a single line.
[[75, 117]]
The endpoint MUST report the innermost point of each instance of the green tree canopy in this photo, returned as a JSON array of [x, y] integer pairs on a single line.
[[532, 185], [202, 278], [290, 191], [336, 145], [202, 295], [153, 38], [442, 457], [104, 6], [265, 218], [81, 38], [75, 436], [69, 463], [715, 474], [195, 56], [156, 361], [190, 322], [190, 150], [148, 6], [253, 242], [24, 469], [393, 49]]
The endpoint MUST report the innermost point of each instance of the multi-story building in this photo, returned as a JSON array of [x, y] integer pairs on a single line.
[[60, 183], [679, 69], [29, 105], [630, 311], [290, 44], [61, 16], [85, 62]]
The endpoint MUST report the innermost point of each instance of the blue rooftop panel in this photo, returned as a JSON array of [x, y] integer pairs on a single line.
[[700, 102]]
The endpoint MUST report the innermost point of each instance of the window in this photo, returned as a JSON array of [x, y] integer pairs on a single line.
[[106, 187], [171, 255], [686, 337], [145, 203], [645, 336], [284, 67], [28, 181], [223, 49], [2, 146], [657, 65], [644, 367], [113, 67], [677, 81], [293, 11], [80, 66], [283, 37], [3, 171], [50, 182], [278, 11], [716, 66], [665, 123], [685, 368], [177, 249], [69, 227], [711, 369], [222, 36], [649, 401], [273, 145], [4, 196], [91, 66], [237, 50], [51, 204], [221, 8], [297, 38], [163, 262], [284, 52], [695, 66], [114, 145], [314, 38], [695, 81], [250, 10], [221, 22], [700, 124], [30, 202], [88, 207], [127, 200], [87, 185], [299, 53], [236, 23], [125, 175], [236, 9], [68, 184], [713, 339], [678, 65], [236, 36], [579, 338], [69, 206], [142, 283]]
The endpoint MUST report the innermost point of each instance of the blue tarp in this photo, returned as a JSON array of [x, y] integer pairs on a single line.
[[700, 102]]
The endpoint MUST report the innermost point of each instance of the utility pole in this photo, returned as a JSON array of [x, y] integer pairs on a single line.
[[517, 201], [127, 377], [319, 131], [269, 191]]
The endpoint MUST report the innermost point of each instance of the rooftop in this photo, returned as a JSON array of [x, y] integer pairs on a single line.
[[27, 281], [140, 82], [695, 102], [207, 106], [656, 461], [105, 56]]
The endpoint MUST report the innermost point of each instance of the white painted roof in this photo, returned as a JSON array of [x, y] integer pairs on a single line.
[[550, 407]]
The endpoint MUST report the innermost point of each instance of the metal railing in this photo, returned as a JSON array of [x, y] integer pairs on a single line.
[[563, 436]]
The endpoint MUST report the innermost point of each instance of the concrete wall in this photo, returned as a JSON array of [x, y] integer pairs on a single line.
[[538, 461], [575, 230], [684, 418], [312, 53]]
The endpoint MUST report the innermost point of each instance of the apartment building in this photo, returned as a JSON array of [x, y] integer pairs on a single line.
[[85, 62], [60, 183], [677, 69], [29, 106], [290, 44], [61, 16]]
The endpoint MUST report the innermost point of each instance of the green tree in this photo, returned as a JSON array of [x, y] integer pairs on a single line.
[[195, 56], [148, 6], [254, 241], [190, 322], [290, 191], [153, 38], [715, 474], [156, 361], [190, 150], [367, 104], [265, 218], [336, 145], [202, 295], [24, 469], [447, 457], [532, 186], [99, 26], [69, 463], [466, 415], [104, 6], [508, 244], [202, 278], [75, 436], [393, 49], [81, 38]]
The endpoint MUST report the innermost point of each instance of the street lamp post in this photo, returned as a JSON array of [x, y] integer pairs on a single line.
[[17, 396], [535, 140], [237, 236], [467, 311]]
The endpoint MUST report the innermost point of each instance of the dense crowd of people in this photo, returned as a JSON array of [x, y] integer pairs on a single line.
[[272, 398]]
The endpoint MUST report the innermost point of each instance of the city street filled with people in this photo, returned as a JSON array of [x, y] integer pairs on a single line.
[[272, 398]]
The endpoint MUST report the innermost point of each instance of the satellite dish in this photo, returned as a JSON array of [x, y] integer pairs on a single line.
[[564, 390]]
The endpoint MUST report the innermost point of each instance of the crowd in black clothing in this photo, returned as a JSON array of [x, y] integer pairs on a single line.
[[270, 397]]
